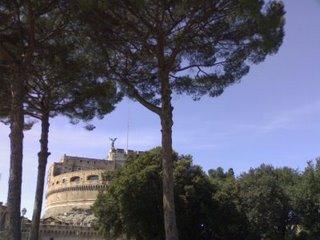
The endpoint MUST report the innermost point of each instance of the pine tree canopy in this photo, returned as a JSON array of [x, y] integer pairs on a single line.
[[204, 46], [59, 79]]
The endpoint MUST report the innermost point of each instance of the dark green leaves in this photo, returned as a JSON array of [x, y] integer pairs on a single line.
[[274, 203], [207, 45]]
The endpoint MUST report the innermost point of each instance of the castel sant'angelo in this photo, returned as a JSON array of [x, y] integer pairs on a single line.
[[73, 186]]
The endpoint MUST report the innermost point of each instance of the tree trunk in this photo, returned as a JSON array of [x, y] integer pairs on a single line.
[[42, 164], [13, 228], [171, 230]]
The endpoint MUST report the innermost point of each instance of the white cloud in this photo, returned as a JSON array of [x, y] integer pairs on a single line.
[[212, 135], [287, 120]]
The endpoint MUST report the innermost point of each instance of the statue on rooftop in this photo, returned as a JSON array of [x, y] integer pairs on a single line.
[[112, 142]]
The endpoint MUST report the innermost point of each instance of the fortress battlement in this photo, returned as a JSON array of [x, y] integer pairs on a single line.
[[70, 164]]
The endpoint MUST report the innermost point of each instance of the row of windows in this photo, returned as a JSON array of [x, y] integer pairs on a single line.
[[89, 162], [77, 179], [83, 161]]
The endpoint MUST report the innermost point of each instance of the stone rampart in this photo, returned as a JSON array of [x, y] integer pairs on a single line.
[[74, 182], [73, 190], [72, 164]]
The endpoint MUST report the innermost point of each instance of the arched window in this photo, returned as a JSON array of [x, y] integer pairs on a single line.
[[75, 179], [93, 177]]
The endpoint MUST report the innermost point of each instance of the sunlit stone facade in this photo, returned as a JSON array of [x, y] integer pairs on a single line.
[[72, 187], [75, 182]]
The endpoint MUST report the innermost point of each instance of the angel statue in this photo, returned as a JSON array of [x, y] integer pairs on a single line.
[[112, 142]]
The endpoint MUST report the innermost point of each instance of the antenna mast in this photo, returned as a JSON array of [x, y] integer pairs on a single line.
[[128, 126]]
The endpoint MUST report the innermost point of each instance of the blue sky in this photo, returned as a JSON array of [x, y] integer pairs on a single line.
[[272, 116]]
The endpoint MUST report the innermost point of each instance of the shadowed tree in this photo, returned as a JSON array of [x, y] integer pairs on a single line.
[[306, 199], [153, 49], [56, 81], [262, 203], [17, 44], [4, 97], [265, 203], [65, 84], [229, 219]]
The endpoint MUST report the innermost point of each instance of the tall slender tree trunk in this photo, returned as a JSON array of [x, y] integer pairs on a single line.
[[42, 164], [170, 225], [13, 228]]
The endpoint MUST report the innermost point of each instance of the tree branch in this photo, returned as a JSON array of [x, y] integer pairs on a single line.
[[141, 100], [198, 66]]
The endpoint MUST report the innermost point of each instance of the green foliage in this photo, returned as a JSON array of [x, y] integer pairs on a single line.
[[193, 197], [230, 222], [133, 203], [263, 203], [139, 181], [153, 48], [307, 200], [65, 83]]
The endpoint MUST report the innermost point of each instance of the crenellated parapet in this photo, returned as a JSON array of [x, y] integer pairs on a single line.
[[69, 164]]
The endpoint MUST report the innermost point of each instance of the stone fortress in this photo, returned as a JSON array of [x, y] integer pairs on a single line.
[[75, 182], [72, 187]]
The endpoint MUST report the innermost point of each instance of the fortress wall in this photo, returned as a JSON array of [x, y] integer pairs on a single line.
[[75, 182], [73, 190], [71, 164], [116, 158], [83, 162], [68, 179], [65, 232], [62, 202], [62, 232]]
